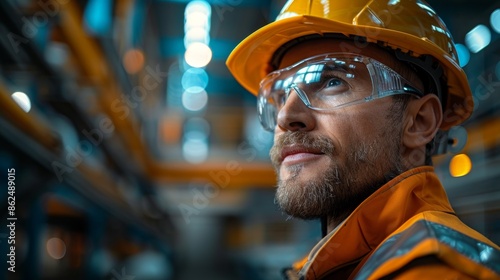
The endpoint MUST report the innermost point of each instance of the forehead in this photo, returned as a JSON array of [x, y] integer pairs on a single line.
[[314, 47]]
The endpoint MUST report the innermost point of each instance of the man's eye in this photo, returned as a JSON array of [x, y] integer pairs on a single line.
[[333, 86], [334, 82]]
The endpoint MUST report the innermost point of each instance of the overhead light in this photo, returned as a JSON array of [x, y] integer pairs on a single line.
[[197, 9], [195, 151], [197, 19], [463, 54], [197, 15], [22, 100], [195, 144], [478, 38], [194, 99], [196, 35], [194, 77], [198, 55], [495, 20]]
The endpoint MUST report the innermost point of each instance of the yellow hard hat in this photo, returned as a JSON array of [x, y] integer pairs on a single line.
[[410, 26]]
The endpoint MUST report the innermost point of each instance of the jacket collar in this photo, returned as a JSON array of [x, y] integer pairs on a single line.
[[383, 212]]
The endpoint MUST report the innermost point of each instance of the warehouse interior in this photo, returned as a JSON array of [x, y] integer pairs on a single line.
[[122, 172]]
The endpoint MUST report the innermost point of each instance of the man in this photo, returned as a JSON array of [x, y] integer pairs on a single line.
[[357, 93]]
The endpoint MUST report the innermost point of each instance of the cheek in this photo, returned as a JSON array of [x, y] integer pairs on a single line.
[[370, 119], [350, 125]]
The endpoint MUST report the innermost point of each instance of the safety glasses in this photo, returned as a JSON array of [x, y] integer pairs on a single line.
[[327, 82]]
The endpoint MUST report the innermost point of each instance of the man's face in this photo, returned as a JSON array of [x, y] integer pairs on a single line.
[[329, 162]]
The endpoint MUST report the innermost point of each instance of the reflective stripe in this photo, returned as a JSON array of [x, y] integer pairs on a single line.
[[404, 242]]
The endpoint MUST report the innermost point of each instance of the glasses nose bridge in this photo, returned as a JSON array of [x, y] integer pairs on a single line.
[[294, 114], [300, 93]]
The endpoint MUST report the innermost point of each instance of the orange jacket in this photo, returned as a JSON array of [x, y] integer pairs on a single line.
[[405, 230]]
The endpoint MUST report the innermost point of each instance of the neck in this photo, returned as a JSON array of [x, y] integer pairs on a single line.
[[333, 222]]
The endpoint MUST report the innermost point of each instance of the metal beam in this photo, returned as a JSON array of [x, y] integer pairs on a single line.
[[229, 174], [92, 60]]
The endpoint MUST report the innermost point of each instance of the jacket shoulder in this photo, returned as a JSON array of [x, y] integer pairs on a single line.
[[432, 244], [429, 267]]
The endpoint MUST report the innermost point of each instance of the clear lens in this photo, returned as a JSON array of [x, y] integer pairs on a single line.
[[327, 82]]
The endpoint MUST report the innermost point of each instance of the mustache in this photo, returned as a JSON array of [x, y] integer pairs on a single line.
[[305, 139]]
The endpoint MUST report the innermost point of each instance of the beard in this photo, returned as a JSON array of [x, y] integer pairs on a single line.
[[368, 165]]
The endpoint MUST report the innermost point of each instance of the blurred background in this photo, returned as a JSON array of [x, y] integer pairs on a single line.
[[133, 154]]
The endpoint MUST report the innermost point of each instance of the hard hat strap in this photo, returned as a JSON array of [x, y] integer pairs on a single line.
[[430, 71]]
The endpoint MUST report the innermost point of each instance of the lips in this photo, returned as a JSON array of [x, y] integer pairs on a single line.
[[300, 147], [298, 153]]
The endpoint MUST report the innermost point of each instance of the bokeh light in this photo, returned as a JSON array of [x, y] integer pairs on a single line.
[[463, 54], [196, 35], [460, 165], [478, 38], [495, 20], [133, 61], [56, 248], [194, 98], [197, 19], [198, 55], [194, 77], [195, 145], [22, 100]]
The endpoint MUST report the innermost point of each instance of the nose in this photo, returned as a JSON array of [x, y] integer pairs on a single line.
[[294, 115]]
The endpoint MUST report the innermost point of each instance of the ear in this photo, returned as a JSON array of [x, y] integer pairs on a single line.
[[423, 118]]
